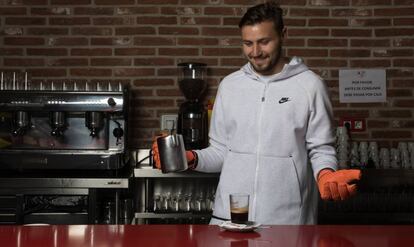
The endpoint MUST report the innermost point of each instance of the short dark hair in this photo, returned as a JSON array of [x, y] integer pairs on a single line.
[[269, 11]]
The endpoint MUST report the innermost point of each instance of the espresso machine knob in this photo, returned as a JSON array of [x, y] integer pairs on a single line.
[[118, 132], [111, 102]]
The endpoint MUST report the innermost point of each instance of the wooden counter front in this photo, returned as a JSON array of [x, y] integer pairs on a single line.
[[203, 235]]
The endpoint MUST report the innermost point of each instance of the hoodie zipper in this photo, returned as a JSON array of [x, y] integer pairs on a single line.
[[263, 99]]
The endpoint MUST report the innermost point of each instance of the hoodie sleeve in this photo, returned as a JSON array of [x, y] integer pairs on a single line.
[[319, 137], [211, 158]]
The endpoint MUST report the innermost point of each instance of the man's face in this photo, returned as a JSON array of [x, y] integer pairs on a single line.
[[262, 46]]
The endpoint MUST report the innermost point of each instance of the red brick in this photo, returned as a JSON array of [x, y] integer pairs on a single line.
[[403, 2], [111, 61], [327, 22], [370, 43], [127, 72], [351, 113], [209, 61], [112, 41], [134, 30], [46, 51], [399, 73], [168, 92], [327, 42], [350, 53], [197, 1], [158, 61], [137, 10], [329, 2], [303, 52], [154, 103], [92, 31], [294, 22], [394, 12], [370, 63], [394, 32], [294, 42], [200, 21], [44, 72], [178, 51], [393, 53], [222, 52], [371, 22], [399, 93], [404, 103], [231, 21], [68, 41], [25, 21], [403, 62], [156, 2], [292, 2], [156, 82], [222, 71], [34, 2], [90, 72], [11, 51], [113, 21], [308, 12], [65, 21], [167, 72], [403, 21], [157, 20], [292, 32], [197, 41], [178, 30], [153, 41], [93, 11], [351, 33], [391, 134], [70, 62], [403, 83], [401, 42], [371, 2], [351, 12], [47, 31], [12, 11], [394, 113], [377, 124], [180, 11], [24, 62], [326, 63], [223, 11], [50, 11], [233, 62], [91, 52], [114, 2], [70, 2], [26, 41], [134, 51]]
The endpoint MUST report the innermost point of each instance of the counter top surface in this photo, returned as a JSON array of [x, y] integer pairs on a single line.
[[204, 235]]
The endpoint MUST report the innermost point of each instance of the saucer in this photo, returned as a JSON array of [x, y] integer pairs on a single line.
[[233, 227]]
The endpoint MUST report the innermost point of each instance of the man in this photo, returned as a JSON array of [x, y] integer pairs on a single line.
[[271, 131]]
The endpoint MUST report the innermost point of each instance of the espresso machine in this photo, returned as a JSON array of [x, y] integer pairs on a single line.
[[71, 127], [192, 116]]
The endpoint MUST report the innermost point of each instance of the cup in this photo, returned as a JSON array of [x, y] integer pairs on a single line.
[[172, 153], [239, 208]]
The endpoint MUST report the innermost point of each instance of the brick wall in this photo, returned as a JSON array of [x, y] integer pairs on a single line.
[[139, 42]]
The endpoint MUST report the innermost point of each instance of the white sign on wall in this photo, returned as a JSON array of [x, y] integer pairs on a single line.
[[362, 85]]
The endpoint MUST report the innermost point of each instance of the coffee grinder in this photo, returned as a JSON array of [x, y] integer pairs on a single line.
[[192, 116]]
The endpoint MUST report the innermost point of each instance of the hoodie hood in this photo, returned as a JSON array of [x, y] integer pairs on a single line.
[[294, 67]]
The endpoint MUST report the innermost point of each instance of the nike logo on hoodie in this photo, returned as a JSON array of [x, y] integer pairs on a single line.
[[284, 100]]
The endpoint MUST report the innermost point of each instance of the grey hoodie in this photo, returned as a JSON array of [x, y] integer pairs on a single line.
[[270, 137]]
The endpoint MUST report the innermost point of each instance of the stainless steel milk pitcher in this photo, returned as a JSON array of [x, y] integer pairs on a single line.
[[172, 153]]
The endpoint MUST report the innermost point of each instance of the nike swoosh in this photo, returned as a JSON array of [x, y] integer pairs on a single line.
[[283, 100]]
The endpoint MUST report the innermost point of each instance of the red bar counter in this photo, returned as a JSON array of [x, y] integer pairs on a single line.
[[203, 235]]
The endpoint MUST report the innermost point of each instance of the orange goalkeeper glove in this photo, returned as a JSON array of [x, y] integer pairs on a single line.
[[337, 185]]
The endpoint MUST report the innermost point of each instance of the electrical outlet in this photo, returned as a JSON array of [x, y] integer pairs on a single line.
[[353, 124], [169, 122]]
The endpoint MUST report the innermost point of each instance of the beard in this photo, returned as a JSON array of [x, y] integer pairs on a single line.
[[267, 68]]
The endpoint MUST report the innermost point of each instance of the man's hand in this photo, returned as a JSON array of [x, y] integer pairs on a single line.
[[336, 185]]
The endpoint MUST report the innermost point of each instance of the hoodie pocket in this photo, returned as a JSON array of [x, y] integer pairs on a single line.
[[279, 197]]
